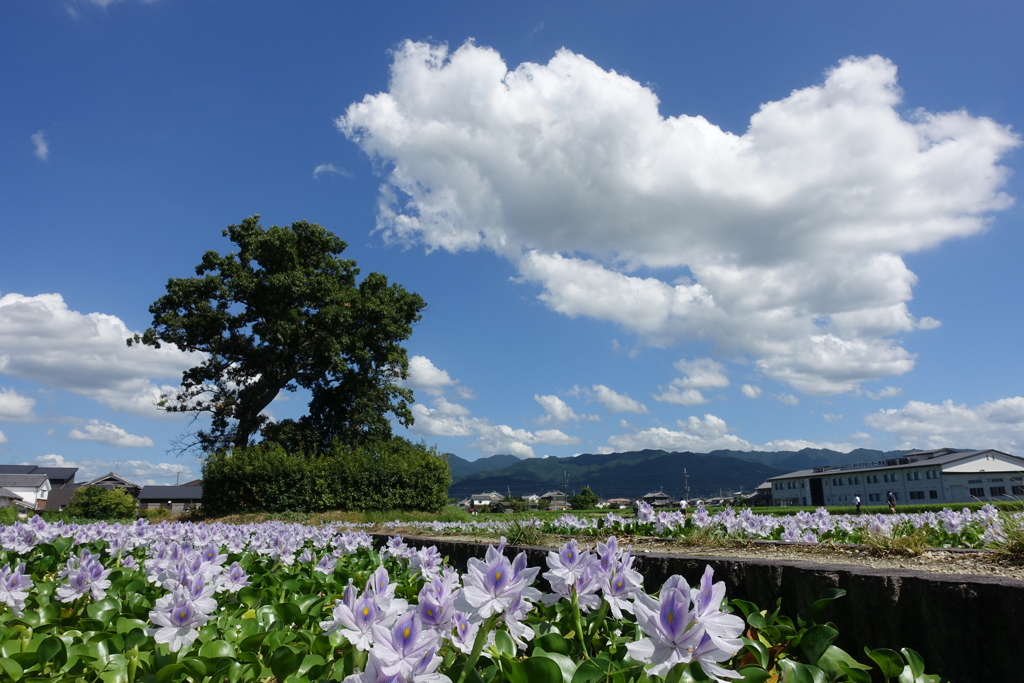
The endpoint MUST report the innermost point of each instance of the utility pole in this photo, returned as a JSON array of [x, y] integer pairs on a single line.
[[686, 484], [565, 490]]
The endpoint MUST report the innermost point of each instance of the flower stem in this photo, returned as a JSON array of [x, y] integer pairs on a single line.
[[478, 646], [578, 623]]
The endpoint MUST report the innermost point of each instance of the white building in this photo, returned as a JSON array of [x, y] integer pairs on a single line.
[[937, 476], [33, 488]]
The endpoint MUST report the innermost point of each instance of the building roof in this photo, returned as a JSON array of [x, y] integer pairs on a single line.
[[17, 469], [159, 493], [553, 494], [657, 494], [23, 480], [113, 478], [944, 456], [10, 495]]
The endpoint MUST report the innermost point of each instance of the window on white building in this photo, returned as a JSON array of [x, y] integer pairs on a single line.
[[917, 495], [997, 490], [977, 493]]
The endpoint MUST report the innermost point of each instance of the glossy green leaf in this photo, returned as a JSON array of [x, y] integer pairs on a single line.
[[889, 661], [195, 666], [284, 662], [915, 661], [167, 673], [11, 668], [503, 641], [52, 651], [513, 671], [288, 612], [745, 607], [794, 672], [835, 661], [756, 619], [542, 670], [753, 674], [104, 610], [552, 642], [217, 648], [250, 596], [124, 624], [855, 675], [253, 642], [816, 640], [566, 665], [587, 672], [758, 649]]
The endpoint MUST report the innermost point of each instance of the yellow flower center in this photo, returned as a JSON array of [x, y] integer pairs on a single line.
[[366, 611], [405, 633]]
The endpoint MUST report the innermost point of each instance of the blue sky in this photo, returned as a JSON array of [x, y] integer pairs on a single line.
[[685, 226]]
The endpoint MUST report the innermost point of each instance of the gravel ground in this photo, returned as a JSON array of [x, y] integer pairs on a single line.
[[976, 562]]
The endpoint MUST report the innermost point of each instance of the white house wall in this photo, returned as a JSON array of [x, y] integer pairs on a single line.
[[988, 462]]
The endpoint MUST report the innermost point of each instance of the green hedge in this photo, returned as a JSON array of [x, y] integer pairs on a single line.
[[387, 475]]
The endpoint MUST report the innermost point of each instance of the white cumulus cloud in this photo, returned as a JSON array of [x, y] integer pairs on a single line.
[[793, 233], [701, 373], [331, 168], [751, 391], [997, 424], [425, 376], [14, 407], [558, 411], [615, 402], [109, 435], [694, 434], [42, 149], [42, 340], [3, 438]]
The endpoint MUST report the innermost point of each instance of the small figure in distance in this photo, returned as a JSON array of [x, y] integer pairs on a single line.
[[856, 501], [890, 498], [682, 506]]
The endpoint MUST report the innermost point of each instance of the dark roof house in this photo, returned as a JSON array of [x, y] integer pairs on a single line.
[[174, 498]]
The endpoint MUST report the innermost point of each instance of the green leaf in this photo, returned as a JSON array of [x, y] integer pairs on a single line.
[[835, 662], [11, 668], [513, 670], [284, 662], [166, 673], [195, 666], [104, 610], [566, 665], [503, 641], [253, 642], [753, 674], [288, 612], [308, 662], [915, 661], [542, 669], [756, 619], [816, 640], [855, 675], [758, 649], [124, 624], [889, 661], [820, 605], [217, 648], [552, 642], [250, 596], [587, 672], [52, 650], [747, 608], [794, 672]]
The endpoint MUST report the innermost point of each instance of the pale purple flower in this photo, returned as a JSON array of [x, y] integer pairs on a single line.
[[463, 633], [234, 579], [406, 650], [673, 631], [14, 587], [178, 620], [491, 585], [723, 628]]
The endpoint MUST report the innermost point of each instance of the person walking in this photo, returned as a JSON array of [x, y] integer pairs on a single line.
[[856, 501], [890, 498], [682, 506]]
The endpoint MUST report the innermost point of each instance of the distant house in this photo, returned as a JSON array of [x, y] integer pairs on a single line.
[[619, 503], [58, 476], [657, 499], [33, 489], [485, 500], [553, 500], [761, 497], [174, 498], [60, 498], [532, 500]]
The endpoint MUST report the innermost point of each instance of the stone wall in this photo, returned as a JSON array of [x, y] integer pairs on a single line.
[[967, 628]]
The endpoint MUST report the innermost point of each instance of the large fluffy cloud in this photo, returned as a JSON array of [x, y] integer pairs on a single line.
[[109, 435], [425, 376], [704, 435], [701, 373], [556, 410], [451, 419], [791, 234], [44, 341], [998, 424], [14, 407]]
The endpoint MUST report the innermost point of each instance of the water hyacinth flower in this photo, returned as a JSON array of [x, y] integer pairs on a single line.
[[178, 619], [407, 651], [672, 630], [14, 588], [233, 580], [463, 633], [490, 586]]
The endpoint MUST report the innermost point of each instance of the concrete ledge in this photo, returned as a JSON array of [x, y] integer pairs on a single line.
[[968, 628]]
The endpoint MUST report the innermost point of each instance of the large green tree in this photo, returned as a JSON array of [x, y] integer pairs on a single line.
[[283, 312]]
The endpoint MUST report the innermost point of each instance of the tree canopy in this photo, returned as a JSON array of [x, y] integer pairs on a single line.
[[584, 500], [283, 312]]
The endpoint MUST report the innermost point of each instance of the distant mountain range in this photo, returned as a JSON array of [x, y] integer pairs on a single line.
[[633, 474]]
